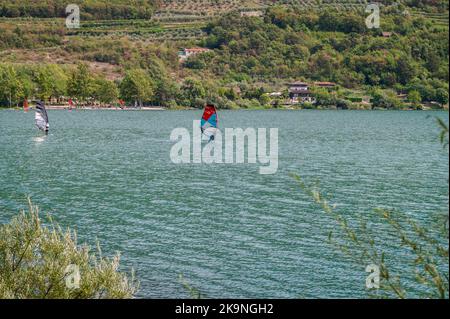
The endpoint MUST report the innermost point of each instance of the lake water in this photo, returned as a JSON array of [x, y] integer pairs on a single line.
[[228, 230]]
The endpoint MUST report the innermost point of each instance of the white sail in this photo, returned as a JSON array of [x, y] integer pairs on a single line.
[[41, 117]]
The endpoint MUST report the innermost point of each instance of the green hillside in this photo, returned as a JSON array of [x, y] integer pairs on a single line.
[[256, 48]]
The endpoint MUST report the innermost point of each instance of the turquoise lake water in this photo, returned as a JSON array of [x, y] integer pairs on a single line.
[[231, 232]]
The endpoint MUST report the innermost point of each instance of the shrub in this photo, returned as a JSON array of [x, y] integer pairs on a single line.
[[307, 106], [342, 104], [38, 261], [386, 99]]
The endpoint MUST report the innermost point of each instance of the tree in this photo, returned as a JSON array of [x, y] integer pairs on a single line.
[[106, 92], [406, 69], [323, 97], [51, 81], [28, 86], [441, 96], [137, 86], [323, 65], [433, 62], [166, 90], [415, 98], [43, 79], [386, 99], [11, 89], [80, 83], [193, 89], [195, 62], [425, 89], [59, 86], [46, 262]]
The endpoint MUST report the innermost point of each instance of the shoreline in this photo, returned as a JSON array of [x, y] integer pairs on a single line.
[[160, 108], [94, 108], [91, 108]]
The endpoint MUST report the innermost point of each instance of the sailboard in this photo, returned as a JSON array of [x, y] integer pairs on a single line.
[[209, 122], [41, 117]]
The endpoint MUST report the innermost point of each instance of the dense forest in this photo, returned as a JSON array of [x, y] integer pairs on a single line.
[[249, 57]]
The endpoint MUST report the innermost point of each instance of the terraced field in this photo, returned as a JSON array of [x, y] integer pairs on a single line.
[[148, 30], [211, 7], [184, 19], [439, 20], [197, 10]]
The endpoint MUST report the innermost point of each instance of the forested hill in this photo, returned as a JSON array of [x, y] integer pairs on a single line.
[[119, 50]]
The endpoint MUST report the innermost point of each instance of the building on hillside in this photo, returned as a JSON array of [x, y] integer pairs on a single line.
[[187, 52], [385, 34], [326, 85], [299, 92]]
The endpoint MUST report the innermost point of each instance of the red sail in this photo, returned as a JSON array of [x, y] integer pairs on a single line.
[[209, 122]]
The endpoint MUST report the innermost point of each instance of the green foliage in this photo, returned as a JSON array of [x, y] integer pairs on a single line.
[[193, 292], [137, 86], [51, 81], [441, 96], [386, 99], [414, 97], [105, 91], [80, 83], [194, 92], [324, 97], [428, 89], [11, 88], [34, 261], [166, 90], [198, 62]]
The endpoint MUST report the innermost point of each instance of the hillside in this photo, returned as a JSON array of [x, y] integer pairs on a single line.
[[256, 47]]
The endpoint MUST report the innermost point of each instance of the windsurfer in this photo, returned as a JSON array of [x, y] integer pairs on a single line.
[[209, 122], [41, 117]]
